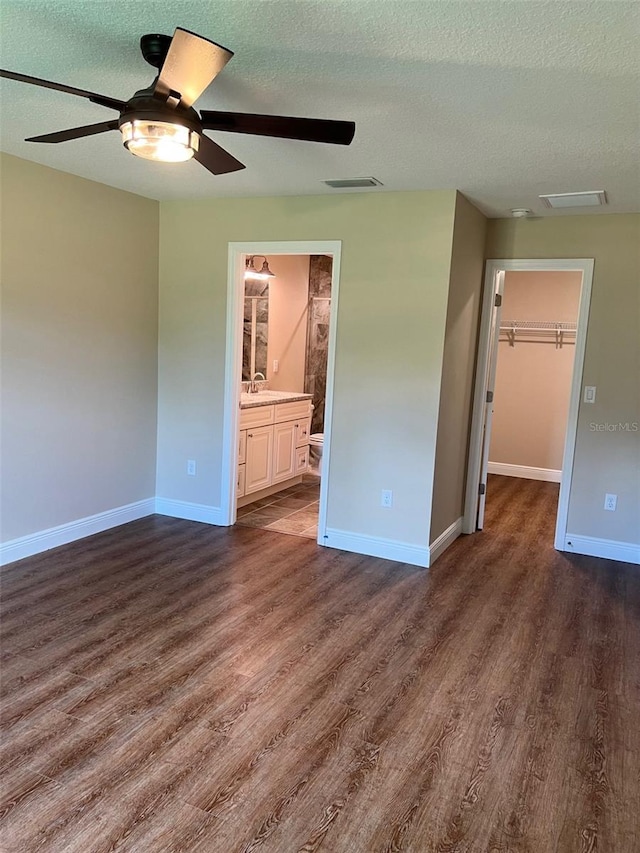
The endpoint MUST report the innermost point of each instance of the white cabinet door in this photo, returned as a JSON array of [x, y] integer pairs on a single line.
[[259, 455], [241, 474], [284, 446], [302, 459], [242, 447]]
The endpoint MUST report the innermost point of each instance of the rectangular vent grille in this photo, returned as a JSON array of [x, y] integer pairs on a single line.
[[593, 198], [353, 183]]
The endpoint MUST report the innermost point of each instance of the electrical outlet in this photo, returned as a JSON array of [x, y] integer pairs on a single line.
[[610, 502], [191, 467], [276, 365], [386, 498], [589, 393]]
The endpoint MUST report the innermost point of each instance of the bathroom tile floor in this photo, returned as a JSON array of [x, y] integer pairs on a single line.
[[293, 510]]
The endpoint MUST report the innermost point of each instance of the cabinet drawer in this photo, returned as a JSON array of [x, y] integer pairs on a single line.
[[292, 411], [242, 447], [303, 431], [256, 417], [242, 469]]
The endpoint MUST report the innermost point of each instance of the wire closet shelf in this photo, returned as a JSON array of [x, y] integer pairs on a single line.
[[544, 331]]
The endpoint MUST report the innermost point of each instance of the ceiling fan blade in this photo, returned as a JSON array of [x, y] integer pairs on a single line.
[[216, 159], [190, 65], [103, 100], [75, 132], [283, 127]]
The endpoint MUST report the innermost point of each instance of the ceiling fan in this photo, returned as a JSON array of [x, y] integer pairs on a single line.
[[160, 123]]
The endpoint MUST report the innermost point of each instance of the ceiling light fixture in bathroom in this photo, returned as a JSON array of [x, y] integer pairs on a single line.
[[251, 272]]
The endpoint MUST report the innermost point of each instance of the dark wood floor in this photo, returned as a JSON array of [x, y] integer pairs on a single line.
[[170, 686]]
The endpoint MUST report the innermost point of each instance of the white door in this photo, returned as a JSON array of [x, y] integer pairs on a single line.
[[488, 398], [259, 456]]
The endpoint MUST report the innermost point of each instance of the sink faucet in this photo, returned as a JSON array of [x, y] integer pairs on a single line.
[[253, 388]]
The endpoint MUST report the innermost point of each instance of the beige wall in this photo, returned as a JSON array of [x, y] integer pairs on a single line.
[[79, 347], [394, 279], [607, 460], [533, 380], [79, 303], [454, 419], [288, 303]]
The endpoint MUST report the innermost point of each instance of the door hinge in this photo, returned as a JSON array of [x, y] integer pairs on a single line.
[[498, 300], [482, 489], [489, 396]]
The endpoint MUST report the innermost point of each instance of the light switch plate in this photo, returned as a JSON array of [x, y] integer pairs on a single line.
[[589, 393]]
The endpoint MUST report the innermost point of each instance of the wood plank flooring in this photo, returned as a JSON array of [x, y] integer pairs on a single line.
[[169, 686]]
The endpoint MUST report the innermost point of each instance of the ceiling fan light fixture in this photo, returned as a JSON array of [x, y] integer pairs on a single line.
[[159, 122], [162, 141]]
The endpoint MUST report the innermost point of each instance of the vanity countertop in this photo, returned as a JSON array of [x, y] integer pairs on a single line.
[[270, 398]]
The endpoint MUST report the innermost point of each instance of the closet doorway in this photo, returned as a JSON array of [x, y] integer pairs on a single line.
[[528, 381]]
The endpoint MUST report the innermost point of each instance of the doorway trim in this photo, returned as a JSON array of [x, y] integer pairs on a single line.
[[493, 283], [233, 364]]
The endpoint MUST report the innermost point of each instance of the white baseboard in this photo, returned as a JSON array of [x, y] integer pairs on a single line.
[[446, 538], [524, 471], [624, 552], [43, 540], [388, 549], [190, 511]]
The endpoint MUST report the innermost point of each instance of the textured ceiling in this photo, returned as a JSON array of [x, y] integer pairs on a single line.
[[502, 100]]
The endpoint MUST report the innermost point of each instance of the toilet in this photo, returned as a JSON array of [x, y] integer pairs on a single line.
[[316, 441]]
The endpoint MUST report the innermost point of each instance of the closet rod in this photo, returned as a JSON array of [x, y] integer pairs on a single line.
[[536, 326], [559, 331]]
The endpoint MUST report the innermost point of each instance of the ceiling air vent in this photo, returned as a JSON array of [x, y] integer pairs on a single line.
[[353, 183], [593, 198]]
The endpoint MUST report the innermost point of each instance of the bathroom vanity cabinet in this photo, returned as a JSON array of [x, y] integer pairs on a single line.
[[273, 445]]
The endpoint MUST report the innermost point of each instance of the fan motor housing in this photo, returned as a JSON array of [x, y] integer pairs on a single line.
[[143, 105], [154, 47]]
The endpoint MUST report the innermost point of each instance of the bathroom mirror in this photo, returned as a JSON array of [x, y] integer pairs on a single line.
[[255, 329]]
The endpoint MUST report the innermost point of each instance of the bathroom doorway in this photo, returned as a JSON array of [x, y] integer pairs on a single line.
[[281, 332], [528, 383], [285, 346]]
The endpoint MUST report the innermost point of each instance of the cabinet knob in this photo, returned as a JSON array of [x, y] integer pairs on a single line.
[[249, 435]]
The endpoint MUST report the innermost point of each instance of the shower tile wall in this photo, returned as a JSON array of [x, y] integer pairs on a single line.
[[315, 381], [255, 288]]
